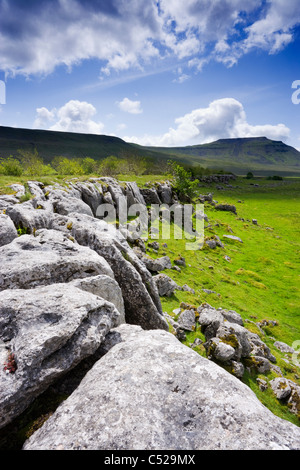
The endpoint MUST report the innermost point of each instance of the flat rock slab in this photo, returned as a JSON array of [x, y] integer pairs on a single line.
[[47, 258], [49, 330], [151, 392]]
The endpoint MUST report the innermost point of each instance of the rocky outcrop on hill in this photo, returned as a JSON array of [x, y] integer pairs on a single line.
[[74, 289], [140, 294], [158, 394], [228, 342]]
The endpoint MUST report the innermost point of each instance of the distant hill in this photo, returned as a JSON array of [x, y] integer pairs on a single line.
[[51, 144], [259, 154]]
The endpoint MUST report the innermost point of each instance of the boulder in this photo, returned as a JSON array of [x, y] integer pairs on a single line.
[[35, 188], [49, 257], [165, 285], [281, 387], [25, 216], [150, 196], [283, 347], [164, 191], [19, 189], [91, 194], [49, 330], [68, 205], [217, 349], [7, 200], [8, 231], [186, 320], [199, 214], [226, 207], [226, 326], [133, 194], [159, 394], [158, 264]]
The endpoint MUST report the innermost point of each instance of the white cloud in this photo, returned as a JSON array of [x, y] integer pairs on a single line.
[[223, 118], [44, 116], [129, 106], [74, 116], [38, 36], [274, 30]]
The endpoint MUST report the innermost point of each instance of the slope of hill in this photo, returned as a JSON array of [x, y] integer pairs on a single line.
[[259, 154], [51, 144]]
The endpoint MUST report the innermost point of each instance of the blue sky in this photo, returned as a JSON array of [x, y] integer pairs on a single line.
[[165, 73]]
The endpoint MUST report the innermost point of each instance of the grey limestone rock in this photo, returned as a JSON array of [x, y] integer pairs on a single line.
[[166, 286], [105, 287], [49, 330], [8, 231], [19, 189], [186, 320], [158, 264], [159, 394], [281, 387], [150, 196], [27, 217], [7, 201], [49, 257], [67, 205], [133, 194], [283, 347], [226, 326], [91, 194], [164, 191], [226, 207], [139, 291]]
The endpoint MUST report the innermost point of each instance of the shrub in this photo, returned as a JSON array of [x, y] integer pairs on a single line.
[[69, 167], [11, 167], [89, 166], [110, 166]]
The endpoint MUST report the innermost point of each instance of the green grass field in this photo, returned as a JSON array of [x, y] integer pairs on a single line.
[[261, 279]]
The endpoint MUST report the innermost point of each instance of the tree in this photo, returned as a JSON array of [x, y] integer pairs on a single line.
[[31, 162], [183, 183]]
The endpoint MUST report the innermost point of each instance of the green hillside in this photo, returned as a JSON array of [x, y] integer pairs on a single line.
[[259, 154], [50, 144]]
